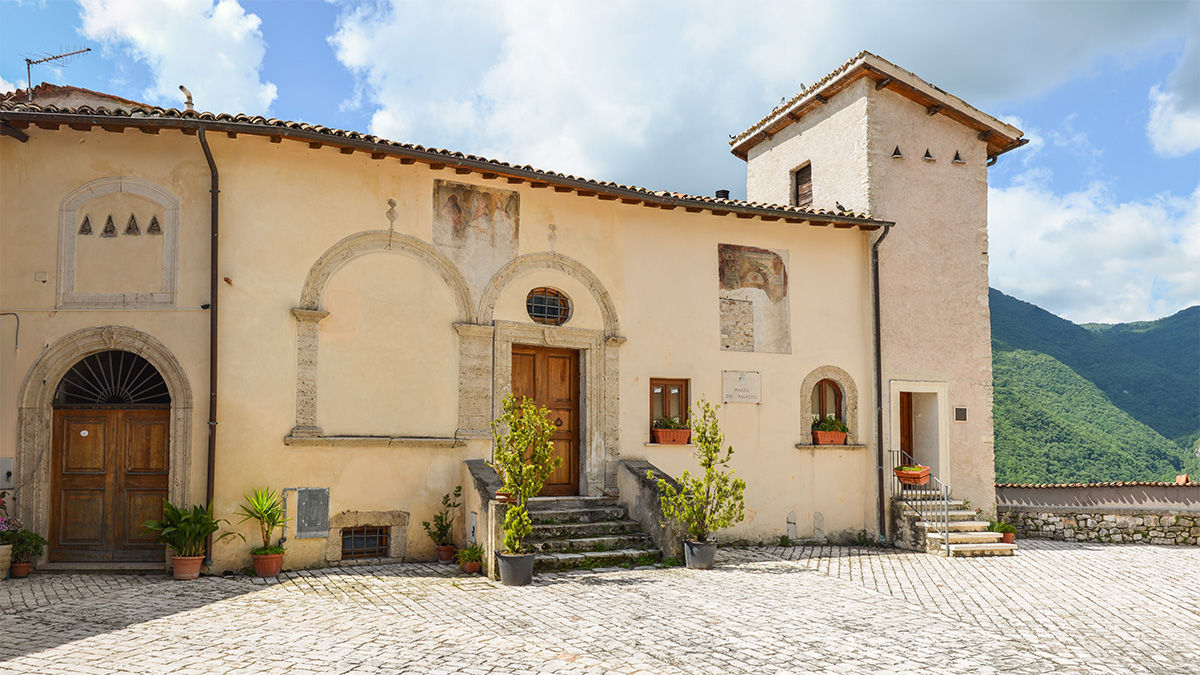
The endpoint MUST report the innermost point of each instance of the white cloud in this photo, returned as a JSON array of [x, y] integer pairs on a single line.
[[215, 50], [5, 85], [1088, 258], [1173, 130]]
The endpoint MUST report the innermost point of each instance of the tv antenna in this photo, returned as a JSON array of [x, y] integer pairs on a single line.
[[63, 58]]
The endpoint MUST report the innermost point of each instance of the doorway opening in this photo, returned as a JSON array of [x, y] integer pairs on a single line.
[[550, 378]]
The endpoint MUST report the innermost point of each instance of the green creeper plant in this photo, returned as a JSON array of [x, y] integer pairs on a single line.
[[184, 531], [524, 459], [264, 506], [714, 501]]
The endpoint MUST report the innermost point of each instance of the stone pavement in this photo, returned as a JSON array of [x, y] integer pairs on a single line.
[[1053, 608]]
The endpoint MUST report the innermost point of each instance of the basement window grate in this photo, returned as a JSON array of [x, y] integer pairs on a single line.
[[367, 541]]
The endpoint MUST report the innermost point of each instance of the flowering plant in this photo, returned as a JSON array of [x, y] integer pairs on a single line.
[[9, 527], [3, 504]]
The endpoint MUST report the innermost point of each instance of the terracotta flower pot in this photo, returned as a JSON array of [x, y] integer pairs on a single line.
[[829, 437], [1007, 538], [186, 568], [503, 496], [672, 436], [20, 570], [267, 564], [920, 477], [445, 554], [472, 567]]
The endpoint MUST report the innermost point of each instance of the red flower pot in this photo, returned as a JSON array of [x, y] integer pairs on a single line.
[[829, 437], [186, 567], [472, 567], [1007, 538], [920, 477], [267, 565], [445, 554], [20, 570], [672, 436]]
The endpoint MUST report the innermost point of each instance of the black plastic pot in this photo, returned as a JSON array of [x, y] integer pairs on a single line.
[[699, 555], [516, 570]]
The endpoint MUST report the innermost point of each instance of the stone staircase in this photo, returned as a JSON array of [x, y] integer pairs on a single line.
[[968, 536], [586, 533]]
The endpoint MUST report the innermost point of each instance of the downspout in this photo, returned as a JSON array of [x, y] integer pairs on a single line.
[[882, 524], [212, 338]]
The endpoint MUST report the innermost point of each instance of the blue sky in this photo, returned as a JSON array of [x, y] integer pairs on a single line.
[[1097, 219]]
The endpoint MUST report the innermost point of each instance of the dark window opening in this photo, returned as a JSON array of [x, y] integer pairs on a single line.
[[113, 378], [803, 196], [367, 541], [668, 398], [827, 400], [548, 306]]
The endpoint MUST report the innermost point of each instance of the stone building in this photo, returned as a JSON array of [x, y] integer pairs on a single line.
[[209, 303]]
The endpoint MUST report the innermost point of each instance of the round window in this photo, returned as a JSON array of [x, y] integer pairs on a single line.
[[548, 306]]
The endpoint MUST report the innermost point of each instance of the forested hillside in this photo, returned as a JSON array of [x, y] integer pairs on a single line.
[[1103, 403]]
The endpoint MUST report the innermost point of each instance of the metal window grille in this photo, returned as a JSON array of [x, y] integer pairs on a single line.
[[548, 306], [367, 541], [113, 378]]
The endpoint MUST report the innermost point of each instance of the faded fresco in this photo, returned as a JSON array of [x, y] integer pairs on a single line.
[[476, 227], [753, 300]]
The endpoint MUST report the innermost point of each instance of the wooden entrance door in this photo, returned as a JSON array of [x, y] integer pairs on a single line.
[[550, 377], [109, 474], [906, 423]]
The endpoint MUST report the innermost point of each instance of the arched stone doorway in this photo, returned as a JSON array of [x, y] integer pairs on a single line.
[[89, 500]]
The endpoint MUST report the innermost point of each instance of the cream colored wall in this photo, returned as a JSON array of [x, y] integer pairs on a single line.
[[934, 276], [34, 178], [387, 360]]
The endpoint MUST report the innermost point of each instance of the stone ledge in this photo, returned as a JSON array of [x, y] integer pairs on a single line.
[[669, 445], [373, 441], [810, 446]]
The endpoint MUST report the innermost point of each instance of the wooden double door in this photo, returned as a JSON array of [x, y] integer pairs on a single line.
[[109, 474], [550, 377]]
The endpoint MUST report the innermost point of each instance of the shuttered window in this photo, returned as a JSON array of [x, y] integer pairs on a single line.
[[804, 195]]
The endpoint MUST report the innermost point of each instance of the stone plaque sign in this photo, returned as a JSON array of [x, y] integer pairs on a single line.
[[312, 518], [741, 386]]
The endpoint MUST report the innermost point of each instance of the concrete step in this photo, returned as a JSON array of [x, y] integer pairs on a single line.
[[927, 504], [629, 557], [957, 526], [570, 503], [969, 550], [589, 515], [634, 540], [918, 493], [954, 514], [581, 530], [937, 539]]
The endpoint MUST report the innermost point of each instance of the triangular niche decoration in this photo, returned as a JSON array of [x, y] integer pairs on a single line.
[[896, 154], [110, 230], [957, 158], [154, 227], [132, 227], [85, 228], [928, 156]]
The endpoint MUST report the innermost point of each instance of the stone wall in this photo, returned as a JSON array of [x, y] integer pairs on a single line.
[[1117, 526]]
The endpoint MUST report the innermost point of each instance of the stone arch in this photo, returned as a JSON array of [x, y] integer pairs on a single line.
[[35, 412], [362, 243], [849, 399], [309, 313], [68, 222], [551, 261]]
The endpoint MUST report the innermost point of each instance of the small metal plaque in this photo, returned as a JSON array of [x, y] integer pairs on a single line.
[[312, 513], [741, 386]]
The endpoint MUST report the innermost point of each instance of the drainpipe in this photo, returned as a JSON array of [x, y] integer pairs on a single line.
[[212, 337], [879, 380]]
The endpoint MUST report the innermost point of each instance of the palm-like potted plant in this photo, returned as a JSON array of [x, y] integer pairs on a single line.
[[443, 524], [185, 532], [264, 506], [670, 430], [707, 503], [26, 547], [470, 559], [523, 459], [829, 431]]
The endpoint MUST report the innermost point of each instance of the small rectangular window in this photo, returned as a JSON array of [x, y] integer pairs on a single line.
[[803, 195], [668, 398], [960, 414], [367, 541]]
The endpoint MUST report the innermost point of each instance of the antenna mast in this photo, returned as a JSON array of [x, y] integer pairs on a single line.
[[29, 63]]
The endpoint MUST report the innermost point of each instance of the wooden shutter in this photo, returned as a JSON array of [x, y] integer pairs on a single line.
[[804, 194]]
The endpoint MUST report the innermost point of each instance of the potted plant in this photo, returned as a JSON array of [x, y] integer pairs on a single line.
[[264, 506], [829, 431], [443, 523], [914, 474], [26, 547], [8, 529], [705, 504], [1006, 529], [524, 459], [470, 559], [185, 532], [670, 430]]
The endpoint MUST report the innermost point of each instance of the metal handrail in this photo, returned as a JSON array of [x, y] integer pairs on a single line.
[[937, 517]]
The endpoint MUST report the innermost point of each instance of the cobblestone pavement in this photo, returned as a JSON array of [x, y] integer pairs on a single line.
[[1052, 608]]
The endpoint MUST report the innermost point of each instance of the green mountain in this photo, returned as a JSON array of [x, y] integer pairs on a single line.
[[1094, 403], [1156, 379]]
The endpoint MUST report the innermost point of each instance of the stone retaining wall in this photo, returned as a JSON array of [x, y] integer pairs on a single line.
[[1104, 525]]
